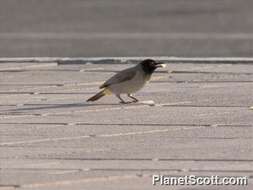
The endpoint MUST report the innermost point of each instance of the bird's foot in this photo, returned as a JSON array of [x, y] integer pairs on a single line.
[[133, 98]]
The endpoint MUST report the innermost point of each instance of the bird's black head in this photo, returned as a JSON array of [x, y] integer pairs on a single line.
[[149, 65]]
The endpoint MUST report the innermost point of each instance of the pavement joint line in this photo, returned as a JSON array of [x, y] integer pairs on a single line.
[[9, 187], [100, 69], [173, 137], [174, 104], [127, 35], [21, 114], [50, 169], [171, 170], [97, 136], [16, 93], [12, 123], [57, 69], [143, 133], [204, 106], [52, 84], [132, 124], [141, 159], [210, 72], [14, 116], [44, 93], [48, 86], [204, 81], [133, 169], [26, 67], [221, 171], [79, 181], [93, 69], [67, 60]]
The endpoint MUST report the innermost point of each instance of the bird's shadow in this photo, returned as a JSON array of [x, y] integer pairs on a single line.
[[34, 107]]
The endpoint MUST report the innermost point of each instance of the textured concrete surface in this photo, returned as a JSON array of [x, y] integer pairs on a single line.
[[79, 28], [50, 138]]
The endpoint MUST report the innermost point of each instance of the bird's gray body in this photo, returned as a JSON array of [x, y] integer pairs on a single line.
[[127, 81]]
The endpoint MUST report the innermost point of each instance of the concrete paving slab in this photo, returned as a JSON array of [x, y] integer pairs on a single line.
[[50, 138]]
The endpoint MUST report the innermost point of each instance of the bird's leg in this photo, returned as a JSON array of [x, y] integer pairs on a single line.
[[131, 96], [121, 100]]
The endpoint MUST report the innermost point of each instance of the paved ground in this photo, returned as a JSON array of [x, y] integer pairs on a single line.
[[201, 123], [51, 138], [80, 28]]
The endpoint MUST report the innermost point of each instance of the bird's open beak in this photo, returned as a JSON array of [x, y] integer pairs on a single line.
[[160, 64]]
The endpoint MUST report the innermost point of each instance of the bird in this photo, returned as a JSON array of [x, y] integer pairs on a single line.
[[128, 81]]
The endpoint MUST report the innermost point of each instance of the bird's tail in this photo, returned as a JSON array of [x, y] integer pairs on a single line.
[[99, 95]]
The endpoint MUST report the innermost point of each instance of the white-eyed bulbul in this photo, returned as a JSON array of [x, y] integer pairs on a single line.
[[128, 81]]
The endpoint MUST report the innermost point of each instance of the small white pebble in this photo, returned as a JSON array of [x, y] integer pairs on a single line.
[[148, 102], [251, 108]]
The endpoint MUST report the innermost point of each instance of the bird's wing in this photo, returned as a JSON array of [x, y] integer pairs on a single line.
[[120, 77]]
